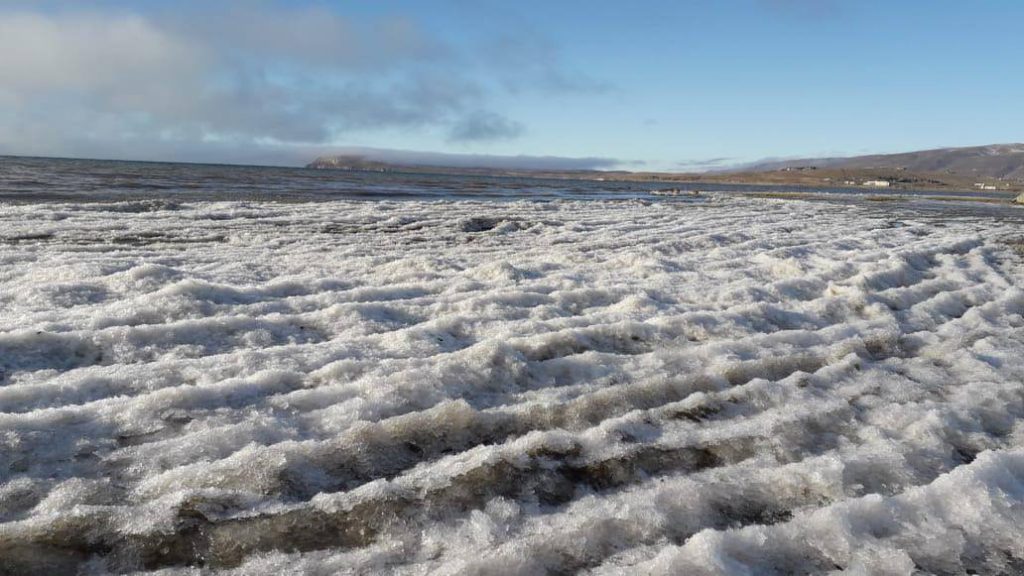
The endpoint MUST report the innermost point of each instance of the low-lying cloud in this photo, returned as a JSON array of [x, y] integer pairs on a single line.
[[707, 164], [519, 162]]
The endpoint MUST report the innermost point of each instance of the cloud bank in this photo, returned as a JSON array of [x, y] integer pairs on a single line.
[[264, 78], [707, 164], [520, 162]]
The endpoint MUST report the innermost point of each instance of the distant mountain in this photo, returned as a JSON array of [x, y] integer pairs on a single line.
[[996, 168], [351, 162], [999, 161]]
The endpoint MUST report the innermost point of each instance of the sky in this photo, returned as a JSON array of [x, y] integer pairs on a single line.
[[645, 85]]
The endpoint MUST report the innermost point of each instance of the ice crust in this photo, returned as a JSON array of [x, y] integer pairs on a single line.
[[729, 386]]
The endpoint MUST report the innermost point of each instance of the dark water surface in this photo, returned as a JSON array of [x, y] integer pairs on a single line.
[[24, 179]]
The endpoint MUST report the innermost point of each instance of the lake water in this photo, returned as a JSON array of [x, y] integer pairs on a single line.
[[48, 179]]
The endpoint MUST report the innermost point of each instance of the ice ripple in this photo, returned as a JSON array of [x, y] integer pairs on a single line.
[[729, 387]]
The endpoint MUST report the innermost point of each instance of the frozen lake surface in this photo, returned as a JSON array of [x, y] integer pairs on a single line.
[[724, 386]]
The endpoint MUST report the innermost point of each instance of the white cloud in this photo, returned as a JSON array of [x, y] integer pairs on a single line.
[[110, 60], [485, 126], [117, 84]]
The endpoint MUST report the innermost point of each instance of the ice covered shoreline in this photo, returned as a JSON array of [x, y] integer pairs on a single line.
[[464, 387]]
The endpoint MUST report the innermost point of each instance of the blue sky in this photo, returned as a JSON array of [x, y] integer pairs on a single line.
[[648, 85]]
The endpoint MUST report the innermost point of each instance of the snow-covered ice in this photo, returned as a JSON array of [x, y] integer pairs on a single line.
[[723, 386]]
